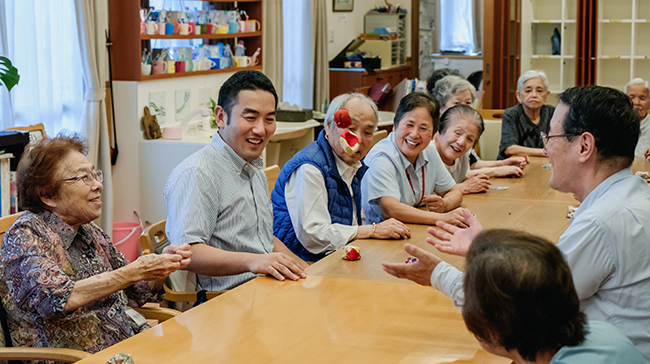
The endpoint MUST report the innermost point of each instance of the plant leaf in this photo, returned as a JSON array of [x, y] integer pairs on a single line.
[[8, 76]]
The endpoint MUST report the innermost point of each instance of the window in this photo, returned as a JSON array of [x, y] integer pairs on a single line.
[[40, 37], [457, 26], [298, 84]]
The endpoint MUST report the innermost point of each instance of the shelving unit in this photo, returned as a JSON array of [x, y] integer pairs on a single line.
[[128, 43], [623, 49], [539, 19]]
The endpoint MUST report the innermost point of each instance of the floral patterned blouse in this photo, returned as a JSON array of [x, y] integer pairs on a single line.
[[41, 258]]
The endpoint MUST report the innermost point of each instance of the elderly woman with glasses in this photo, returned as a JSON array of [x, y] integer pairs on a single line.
[[523, 123], [62, 282]]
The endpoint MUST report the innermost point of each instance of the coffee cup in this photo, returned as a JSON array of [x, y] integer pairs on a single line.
[[146, 69], [242, 25], [204, 29], [158, 67], [180, 66], [233, 27], [222, 30], [215, 63], [171, 28], [197, 29], [253, 26], [209, 63], [161, 29], [191, 28], [143, 27], [152, 27], [241, 61], [183, 29], [171, 66]]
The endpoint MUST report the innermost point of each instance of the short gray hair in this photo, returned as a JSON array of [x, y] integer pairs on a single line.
[[637, 81], [531, 74], [449, 86], [340, 100]]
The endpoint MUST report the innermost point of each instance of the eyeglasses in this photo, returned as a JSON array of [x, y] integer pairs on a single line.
[[94, 175], [545, 137]]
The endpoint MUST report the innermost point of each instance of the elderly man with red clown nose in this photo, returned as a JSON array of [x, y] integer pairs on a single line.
[[317, 197]]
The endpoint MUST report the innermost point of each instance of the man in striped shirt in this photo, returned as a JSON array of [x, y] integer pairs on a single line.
[[217, 199]]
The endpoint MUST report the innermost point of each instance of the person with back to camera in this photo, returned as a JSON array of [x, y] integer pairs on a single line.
[[405, 171], [317, 196], [62, 281], [639, 94], [521, 304], [522, 123], [438, 74], [460, 128], [590, 147]]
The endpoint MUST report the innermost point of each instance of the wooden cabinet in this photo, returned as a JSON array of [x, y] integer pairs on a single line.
[[128, 44], [346, 80]]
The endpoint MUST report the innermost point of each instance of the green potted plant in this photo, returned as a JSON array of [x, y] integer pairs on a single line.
[[8, 73]]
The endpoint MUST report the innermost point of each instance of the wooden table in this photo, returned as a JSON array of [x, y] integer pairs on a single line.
[[316, 320]]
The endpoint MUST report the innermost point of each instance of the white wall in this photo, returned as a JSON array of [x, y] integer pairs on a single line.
[[343, 27]]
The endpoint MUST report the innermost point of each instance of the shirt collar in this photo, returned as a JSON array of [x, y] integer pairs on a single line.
[[65, 231], [345, 169], [420, 161], [239, 162], [601, 189]]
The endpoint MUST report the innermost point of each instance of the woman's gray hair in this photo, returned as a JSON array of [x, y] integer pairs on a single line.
[[449, 86], [340, 100], [531, 74], [461, 112], [637, 81]]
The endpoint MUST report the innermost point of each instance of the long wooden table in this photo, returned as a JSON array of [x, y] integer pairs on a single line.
[[351, 311]]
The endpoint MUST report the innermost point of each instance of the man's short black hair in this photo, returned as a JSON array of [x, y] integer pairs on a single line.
[[608, 115], [243, 80], [519, 294], [414, 100], [438, 74]]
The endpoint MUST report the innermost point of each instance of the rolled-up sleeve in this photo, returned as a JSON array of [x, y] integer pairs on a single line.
[[449, 281]]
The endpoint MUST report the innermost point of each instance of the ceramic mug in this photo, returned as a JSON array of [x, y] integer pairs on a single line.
[[211, 29], [159, 67], [152, 27], [179, 66], [216, 63], [242, 25], [146, 69], [233, 27], [222, 30], [143, 27], [197, 29], [161, 29], [171, 66], [191, 28], [253, 26], [204, 29], [207, 64], [183, 29], [241, 61], [197, 65], [171, 29]]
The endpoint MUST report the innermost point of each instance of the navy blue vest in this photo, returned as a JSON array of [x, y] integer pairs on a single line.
[[339, 204]]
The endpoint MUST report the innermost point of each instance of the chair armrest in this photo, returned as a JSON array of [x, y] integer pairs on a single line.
[[49, 354], [180, 296], [157, 313]]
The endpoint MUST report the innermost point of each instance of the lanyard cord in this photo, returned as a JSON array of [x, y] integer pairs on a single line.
[[411, 183]]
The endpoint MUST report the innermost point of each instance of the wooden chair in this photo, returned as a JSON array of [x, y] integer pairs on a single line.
[[36, 132], [491, 138], [377, 136], [272, 174], [180, 287], [6, 222]]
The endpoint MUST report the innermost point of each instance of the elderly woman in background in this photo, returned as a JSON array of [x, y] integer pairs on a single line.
[[62, 282], [638, 92], [460, 128], [453, 90], [522, 124]]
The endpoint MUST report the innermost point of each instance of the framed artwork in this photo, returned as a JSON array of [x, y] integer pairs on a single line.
[[343, 5]]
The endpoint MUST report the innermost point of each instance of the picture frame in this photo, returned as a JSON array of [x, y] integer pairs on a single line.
[[342, 5]]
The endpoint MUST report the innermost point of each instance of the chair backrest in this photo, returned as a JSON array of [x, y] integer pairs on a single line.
[[153, 238], [6, 222], [272, 173], [377, 136], [491, 138]]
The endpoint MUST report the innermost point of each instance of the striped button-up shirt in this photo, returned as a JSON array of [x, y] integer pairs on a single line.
[[215, 197]]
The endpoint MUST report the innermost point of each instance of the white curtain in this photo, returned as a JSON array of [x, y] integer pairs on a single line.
[[298, 77], [319, 53], [92, 21], [457, 25], [272, 43], [40, 38]]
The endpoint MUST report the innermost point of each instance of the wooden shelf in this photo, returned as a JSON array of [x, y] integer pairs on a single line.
[[197, 73], [201, 36]]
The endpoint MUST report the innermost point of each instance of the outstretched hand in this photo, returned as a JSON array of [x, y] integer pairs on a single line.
[[419, 271], [451, 239]]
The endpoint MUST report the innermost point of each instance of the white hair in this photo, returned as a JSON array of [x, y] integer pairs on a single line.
[[451, 85], [637, 81], [340, 100], [531, 74]]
